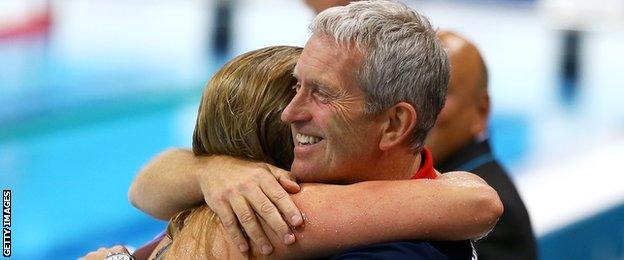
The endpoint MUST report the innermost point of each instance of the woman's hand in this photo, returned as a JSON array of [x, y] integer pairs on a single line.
[[238, 191], [102, 253]]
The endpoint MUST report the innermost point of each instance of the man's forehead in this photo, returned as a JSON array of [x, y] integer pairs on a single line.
[[324, 62], [320, 79], [316, 70]]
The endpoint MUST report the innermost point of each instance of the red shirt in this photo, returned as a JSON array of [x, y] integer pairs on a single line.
[[426, 170]]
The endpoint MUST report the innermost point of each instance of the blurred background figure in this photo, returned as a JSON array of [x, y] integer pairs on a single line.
[[575, 19], [102, 86], [320, 5], [459, 142]]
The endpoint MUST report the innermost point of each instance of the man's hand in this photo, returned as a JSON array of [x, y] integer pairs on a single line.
[[238, 191]]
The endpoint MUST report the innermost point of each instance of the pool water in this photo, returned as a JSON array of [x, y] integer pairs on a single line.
[[83, 110]]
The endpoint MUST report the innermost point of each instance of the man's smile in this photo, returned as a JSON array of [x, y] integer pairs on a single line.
[[307, 144], [302, 139]]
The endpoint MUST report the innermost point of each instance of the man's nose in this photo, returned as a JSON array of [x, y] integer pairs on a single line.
[[297, 109]]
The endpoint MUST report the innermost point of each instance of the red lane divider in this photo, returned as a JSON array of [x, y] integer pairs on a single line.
[[39, 23]]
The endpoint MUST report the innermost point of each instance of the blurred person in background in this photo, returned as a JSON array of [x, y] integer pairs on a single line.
[[459, 141], [239, 116], [320, 5]]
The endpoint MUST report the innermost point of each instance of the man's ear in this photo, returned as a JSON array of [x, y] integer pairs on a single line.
[[398, 125]]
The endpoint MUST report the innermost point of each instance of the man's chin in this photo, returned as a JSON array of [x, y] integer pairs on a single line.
[[305, 174]]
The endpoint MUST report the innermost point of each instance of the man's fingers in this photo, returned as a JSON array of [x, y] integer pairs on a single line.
[[269, 212], [230, 223], [247, 219]]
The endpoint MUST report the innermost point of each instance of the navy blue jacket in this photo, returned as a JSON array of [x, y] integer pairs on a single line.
[[411, 250]]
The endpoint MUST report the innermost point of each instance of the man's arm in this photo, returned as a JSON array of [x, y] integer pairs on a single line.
[[234, 189], [456, 206]]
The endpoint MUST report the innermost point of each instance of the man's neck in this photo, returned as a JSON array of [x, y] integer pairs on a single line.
[[399, 165]]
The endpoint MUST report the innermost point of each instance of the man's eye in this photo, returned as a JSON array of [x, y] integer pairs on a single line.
[[296, 87], [321, 97]]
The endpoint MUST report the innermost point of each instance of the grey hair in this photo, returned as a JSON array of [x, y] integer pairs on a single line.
[[404, 60]]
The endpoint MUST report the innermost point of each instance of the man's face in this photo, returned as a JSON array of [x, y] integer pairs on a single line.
[[464, 115], [334, 140]]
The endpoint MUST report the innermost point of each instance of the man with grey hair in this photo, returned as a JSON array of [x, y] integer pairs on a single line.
[[371, 80], [370, 83], [373, 76]]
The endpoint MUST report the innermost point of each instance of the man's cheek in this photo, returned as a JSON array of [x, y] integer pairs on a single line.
[[346, 107], [342, 126]]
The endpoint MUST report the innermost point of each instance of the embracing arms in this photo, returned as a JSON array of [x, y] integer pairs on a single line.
[[453, 207]]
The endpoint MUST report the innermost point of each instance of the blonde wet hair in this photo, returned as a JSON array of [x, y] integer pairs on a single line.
[[239, 116]]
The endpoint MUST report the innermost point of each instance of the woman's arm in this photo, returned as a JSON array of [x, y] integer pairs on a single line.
[[166, 184]]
